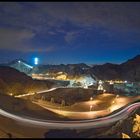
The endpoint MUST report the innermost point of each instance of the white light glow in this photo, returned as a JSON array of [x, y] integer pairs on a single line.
[[36, 61]]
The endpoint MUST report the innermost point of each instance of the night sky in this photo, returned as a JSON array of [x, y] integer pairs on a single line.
[[69, 32]]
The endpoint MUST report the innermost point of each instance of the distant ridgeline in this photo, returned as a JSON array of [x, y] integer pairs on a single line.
[[129, 70], [71, 69]]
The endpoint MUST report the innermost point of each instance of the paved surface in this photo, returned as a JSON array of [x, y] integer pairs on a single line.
[[82, 124]]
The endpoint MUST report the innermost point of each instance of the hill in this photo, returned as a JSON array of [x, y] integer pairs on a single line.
[[129, 70], [15, 82], [69, 95]]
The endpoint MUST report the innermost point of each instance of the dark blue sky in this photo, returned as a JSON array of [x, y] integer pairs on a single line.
[[69, 32]]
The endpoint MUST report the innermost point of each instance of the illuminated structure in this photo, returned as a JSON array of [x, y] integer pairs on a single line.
[[116, 81], [21, 66], [111, 82], [100, 86], [36, 61]]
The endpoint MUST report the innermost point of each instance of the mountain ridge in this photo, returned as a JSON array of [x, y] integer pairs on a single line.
[[128, 70]]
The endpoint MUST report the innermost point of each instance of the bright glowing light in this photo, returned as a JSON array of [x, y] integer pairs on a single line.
[[125, 81], [61, 77], [100, 86], [111, 82], [100, 82], [91, 107], [19, 61], [113, 102], [11, 94], [117, 96], [35, 60], [91, 98]]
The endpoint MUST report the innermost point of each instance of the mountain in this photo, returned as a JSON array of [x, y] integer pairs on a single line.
[[106, 71], [71, 70], [21, 65], [16, 82], [129, 70], [9, 74]]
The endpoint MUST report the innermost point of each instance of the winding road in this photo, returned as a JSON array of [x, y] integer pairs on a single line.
[[80, 124]]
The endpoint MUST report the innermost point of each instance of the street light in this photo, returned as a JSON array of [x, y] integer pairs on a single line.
[[11, 94], [111, 82], [104, 90], [117, 96], [91, 98], [91, 107], [113, 102]]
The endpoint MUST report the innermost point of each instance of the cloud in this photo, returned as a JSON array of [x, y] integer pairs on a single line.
[[51, 33], [71, 36], [52, 19], [44, 49], [14, 38], [110, 15], [42, 16], [20, 40]]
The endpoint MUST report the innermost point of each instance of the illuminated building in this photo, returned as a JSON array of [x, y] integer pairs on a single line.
[[21, 66], [100, 86]]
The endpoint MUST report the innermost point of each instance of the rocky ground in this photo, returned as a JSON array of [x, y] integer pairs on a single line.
[[112, 131], [69, 95]]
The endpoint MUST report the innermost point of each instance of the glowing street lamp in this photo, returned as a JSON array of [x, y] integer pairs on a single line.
[[11, 94], [117, 96], [111, 82], [113, 102], [104, 90], [91, 107], [91, 98]]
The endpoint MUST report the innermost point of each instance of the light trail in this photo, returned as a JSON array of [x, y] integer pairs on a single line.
[[81, 124], [44, 91], [23, 95], [81, 110], [26, 64]]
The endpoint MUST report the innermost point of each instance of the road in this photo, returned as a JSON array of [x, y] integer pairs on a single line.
[[32, 93], [81, 124], [43, 91], [28, 94], [101, 106]]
